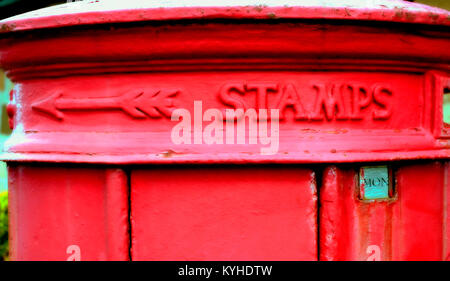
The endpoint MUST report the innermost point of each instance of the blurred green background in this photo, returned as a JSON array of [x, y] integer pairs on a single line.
[[445, 4], [5, 88]]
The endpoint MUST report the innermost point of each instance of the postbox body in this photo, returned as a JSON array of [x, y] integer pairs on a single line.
[[243, 132]]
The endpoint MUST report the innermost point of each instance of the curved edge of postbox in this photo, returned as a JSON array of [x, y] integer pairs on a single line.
[[56, 18], [33, 145], [165, 157]]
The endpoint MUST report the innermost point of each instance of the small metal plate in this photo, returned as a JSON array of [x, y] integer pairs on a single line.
[[374, 182]]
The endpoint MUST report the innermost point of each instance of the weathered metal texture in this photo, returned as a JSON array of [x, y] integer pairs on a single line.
[[224, 213], [100, 12], [68, 213], [412, 225], [352, 83], [104, 93]]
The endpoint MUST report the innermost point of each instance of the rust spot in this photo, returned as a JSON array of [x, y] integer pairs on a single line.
[[410, 16], [308, 130], [333, 150], [259, 8], [433, 16], [398, 14], [7, 27], [347, 12], [272, 15], [169, 153], [388, 233], [338, 131]]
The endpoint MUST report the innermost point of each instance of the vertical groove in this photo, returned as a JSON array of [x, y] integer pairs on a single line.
[[445, 211], [318, 174], [130, 233]]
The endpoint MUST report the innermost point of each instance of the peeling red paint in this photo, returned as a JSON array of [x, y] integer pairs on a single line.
[[411, 226]]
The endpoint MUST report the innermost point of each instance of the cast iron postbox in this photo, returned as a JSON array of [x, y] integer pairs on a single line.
[[300, 130]]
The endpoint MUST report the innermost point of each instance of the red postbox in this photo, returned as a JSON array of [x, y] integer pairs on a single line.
[[236, 131]]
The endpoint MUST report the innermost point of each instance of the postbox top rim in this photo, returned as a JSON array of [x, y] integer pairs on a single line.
[[100, 12]]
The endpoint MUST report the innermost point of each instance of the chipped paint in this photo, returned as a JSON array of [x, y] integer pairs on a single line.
[[118, 11]]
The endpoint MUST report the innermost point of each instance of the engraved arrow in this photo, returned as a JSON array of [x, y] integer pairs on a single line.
[[135, 104]]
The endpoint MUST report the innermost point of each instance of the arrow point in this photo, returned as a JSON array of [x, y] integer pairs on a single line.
[[156, 104], [48, 105], [128, 105]]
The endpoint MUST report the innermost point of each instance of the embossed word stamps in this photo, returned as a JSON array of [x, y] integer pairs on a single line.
[[213, 133]]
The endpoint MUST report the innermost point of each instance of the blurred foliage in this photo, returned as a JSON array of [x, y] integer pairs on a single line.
[[446, 107], [444, 4], [4, 247]]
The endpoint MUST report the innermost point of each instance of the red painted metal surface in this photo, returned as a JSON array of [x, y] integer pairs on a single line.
[[232, 213], [398, 122], [413, 225], [100, 12], [353, 83], [68, 213]]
